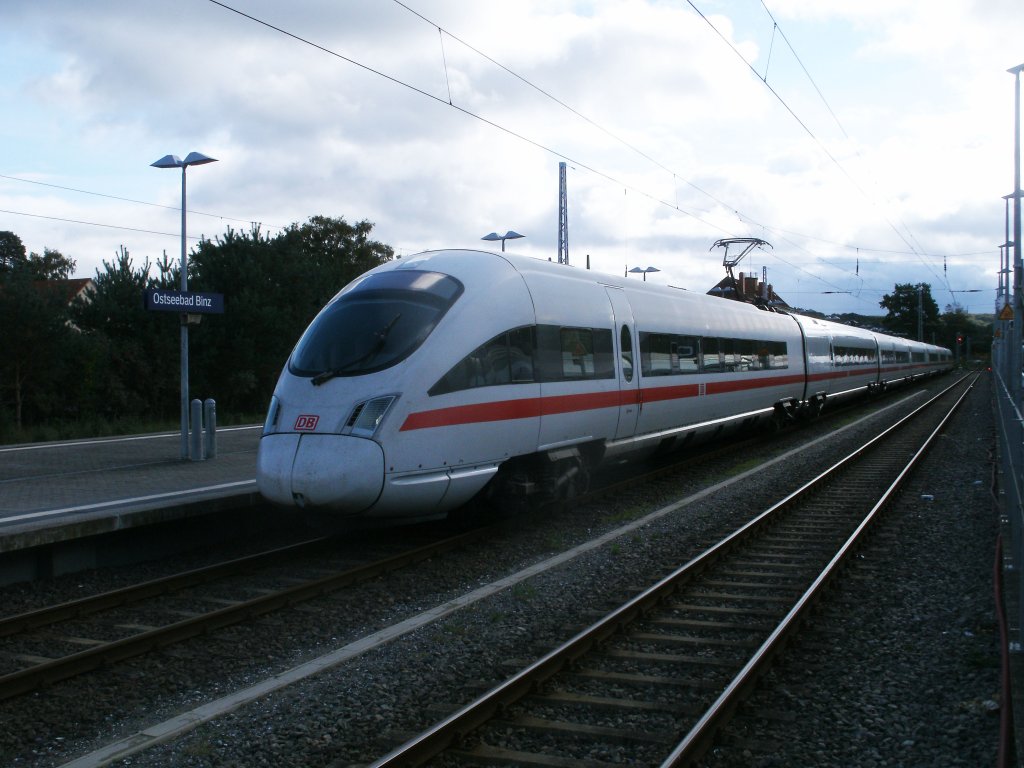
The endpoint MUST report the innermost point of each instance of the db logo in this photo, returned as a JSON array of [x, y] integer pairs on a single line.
[[306, 422]]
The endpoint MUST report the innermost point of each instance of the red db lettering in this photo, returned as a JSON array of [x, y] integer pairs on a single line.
[[306, 422]]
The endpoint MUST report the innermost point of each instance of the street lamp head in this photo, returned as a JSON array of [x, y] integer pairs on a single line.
[[198, 158], [173, 161], [644, 271], [168, 161], [510, 235]]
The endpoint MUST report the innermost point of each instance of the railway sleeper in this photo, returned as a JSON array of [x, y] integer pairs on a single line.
[[566, 698], [688, 640], [652, 681], [484, 754], [619, 735]]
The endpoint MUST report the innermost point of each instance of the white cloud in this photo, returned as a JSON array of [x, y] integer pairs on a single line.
[[919, 88]]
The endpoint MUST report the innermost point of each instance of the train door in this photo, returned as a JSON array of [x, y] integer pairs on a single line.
[[627, 365]]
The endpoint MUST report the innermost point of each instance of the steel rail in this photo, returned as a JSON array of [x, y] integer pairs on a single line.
[[448, 731], [11, 625], [696, 742], [31, 678]]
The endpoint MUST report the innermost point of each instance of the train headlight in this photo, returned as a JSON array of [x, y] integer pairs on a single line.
[[368, 415], [270, 424]]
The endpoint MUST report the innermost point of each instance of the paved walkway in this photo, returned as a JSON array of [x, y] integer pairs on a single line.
[[54, 491]]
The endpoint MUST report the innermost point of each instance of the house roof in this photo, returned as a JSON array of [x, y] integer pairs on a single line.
[[72, 289]]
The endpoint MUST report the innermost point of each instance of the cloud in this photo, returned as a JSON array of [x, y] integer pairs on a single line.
[[680, 141]]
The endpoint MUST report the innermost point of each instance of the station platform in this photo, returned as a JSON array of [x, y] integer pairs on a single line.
[[63, 493]]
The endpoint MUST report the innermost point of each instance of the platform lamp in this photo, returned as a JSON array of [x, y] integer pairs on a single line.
[[173, 161], [510, 235], [645, 271]]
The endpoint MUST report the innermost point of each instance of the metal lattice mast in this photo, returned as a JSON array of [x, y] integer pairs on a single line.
[[563, 218]]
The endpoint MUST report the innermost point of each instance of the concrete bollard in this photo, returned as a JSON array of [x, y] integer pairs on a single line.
[[195, 443], [210, 420]]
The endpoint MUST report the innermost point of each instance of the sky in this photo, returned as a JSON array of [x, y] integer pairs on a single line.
[[869, 142]]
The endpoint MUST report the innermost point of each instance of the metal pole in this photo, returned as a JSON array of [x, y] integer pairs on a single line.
[[1018, 272], [196, 441], [184, 327], [1016, 439], [920, 312]]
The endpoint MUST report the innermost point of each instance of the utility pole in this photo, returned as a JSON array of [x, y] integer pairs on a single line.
[[920, 312], [1018, 269], [563, 217]]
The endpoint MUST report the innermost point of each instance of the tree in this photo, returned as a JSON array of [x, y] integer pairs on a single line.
[[111, 358], [12, 251], [273, 287], [52, 265], [132, 368], [975, 333], [34, 317], [905, 305]]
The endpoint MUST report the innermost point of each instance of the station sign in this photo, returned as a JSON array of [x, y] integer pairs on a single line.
[[185, 302]]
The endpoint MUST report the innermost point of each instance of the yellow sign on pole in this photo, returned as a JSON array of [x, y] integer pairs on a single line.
[[1006, 313]]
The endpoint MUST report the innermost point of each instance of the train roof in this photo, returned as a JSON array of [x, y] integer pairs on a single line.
[[449, 258], [465, 261]]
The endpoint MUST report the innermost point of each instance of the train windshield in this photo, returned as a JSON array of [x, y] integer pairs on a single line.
[[377, 323]]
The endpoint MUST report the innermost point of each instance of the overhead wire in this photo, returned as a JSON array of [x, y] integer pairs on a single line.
[[560, 102], [842, 129], [191, 211], [96, 224], [607, 176], [800, 122], [913, 250], [562, 155], [468, 113]]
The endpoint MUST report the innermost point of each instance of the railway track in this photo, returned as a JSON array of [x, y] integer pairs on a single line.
[[33, 641], [654, 681], [61, 641], [58, 642]]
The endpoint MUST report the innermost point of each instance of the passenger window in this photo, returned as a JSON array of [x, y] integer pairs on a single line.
[[626, 343], [711, 362], [507, 358], [732, 359], [779, 354], [577, 353], [520, 354], [687, 353]]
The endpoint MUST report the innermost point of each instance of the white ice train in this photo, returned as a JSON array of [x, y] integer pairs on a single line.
[[432, 378]]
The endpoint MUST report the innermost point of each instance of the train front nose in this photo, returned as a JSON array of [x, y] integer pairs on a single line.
[[333, 471]]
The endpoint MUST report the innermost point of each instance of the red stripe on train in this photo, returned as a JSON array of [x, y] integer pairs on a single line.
[[530, 407]]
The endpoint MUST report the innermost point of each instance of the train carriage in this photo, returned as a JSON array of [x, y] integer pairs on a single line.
[[430, 379]]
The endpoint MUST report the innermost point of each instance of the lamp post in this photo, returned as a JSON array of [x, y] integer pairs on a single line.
[[173, 161], [645, 271], [510, 235]]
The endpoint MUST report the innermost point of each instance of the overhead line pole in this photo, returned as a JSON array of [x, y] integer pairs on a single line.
[[1018, 268], [1015, 440]]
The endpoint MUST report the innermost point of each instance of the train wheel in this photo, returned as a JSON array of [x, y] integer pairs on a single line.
[[569, 479], [579, 481]]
